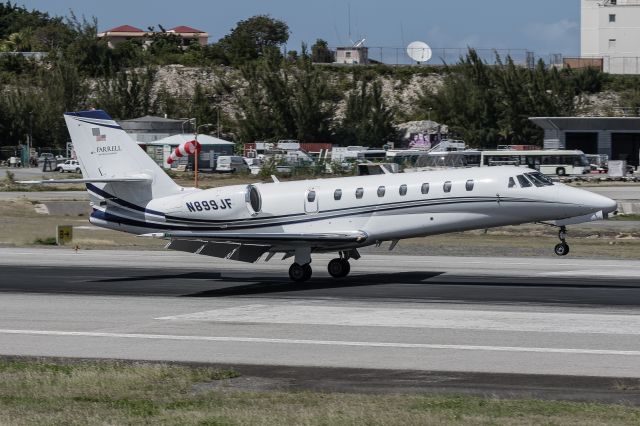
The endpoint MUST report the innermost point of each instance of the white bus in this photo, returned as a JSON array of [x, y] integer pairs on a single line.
[[549, 162]]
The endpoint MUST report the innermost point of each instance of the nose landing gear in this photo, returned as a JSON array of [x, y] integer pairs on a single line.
[[562, 249]]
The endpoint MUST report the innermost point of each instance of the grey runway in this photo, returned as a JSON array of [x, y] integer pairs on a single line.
[[550, 316]]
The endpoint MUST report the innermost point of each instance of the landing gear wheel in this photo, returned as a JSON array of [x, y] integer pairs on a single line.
[[300, 273], [562, 249], [339, 268]]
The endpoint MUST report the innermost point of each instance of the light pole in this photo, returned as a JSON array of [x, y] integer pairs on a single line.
[[197, 153]]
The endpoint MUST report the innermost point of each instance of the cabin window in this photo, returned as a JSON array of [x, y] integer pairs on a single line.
[[512, 182], [425, 188], [469, 185], [337, 194], [447, 186], [523, 181], [381, 191], [403, 190], [311, 196], [359, 193]]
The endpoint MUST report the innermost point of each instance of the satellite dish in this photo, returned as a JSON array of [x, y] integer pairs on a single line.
[[419, 51]]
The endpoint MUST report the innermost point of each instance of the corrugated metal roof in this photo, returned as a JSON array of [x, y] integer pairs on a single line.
[[588, 123]]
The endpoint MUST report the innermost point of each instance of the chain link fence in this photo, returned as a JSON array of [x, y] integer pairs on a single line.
[[440, 56]]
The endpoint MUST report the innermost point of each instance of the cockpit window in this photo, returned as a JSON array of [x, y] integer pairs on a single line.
[[512, 182], [523, 181], [539, 179]]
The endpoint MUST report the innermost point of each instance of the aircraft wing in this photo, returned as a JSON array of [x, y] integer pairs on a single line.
[[249, 247], [265, 237]]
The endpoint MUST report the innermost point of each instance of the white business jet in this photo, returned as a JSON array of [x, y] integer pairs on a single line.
[[131, 193]]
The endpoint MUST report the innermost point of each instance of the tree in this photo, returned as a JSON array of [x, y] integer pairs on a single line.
[[127, 94], [320, 52], [367, 121], [283, 100], [252, 37]]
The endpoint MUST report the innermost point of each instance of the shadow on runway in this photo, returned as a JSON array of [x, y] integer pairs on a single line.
[[185, 276], [278, 286], [426, 286]]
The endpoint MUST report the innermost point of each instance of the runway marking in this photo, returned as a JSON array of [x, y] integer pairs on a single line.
[[543, 322], [234, 339]]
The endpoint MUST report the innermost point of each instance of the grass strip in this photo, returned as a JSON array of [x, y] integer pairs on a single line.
[[104, 392]]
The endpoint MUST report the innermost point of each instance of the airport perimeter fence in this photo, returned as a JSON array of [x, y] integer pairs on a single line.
[[451, 55]]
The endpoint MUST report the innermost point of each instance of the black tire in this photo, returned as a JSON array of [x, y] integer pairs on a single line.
[[78, 170], [338, 268], [59, 170], [560, 171], [347, 267], [561, 249], [300, 273], [307, 271]]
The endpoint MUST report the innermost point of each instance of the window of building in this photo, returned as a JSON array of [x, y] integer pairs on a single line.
[[512, 182], [359, 193], [403, 189], [337, 194], [612, 17], [469, 185], [381, 191], [447, 186], [523, 181], [612, 43], [425, 188], [311, 196]]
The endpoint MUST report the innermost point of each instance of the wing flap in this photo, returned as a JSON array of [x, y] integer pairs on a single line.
[[233, 251]]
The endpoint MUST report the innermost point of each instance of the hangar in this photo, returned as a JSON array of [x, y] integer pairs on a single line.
[[617, 137]]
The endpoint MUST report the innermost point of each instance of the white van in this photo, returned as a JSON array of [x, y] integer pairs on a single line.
[[231, 163]]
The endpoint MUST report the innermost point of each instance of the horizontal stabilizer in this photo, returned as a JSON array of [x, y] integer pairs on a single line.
[[92, 180], [264, 237]]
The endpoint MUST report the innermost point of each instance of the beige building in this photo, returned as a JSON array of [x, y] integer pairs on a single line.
[[352, 55], [117, 35]]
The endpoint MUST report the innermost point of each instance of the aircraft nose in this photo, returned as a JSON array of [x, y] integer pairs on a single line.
[[600, 202]]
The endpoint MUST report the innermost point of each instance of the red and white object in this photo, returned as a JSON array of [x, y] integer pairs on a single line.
[[185, 148]]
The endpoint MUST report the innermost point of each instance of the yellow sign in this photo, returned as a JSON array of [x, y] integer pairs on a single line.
[[65, 234]]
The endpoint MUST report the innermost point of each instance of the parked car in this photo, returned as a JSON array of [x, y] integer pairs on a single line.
[[71, 166], [231, 163], [46, 156]]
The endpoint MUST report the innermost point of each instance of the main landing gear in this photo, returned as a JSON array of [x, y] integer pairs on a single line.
[[562, 249], [299, 273], [339, 267]]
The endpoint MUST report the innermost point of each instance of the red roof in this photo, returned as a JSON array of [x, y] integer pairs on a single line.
[[125, 29], [185, 29]]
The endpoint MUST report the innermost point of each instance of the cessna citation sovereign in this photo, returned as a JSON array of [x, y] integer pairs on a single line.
[[131, 193]]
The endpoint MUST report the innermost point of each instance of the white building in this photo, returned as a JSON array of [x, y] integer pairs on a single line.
[[610, 29]]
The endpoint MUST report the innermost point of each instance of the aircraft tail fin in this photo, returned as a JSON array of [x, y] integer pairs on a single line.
[[111, 158]]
